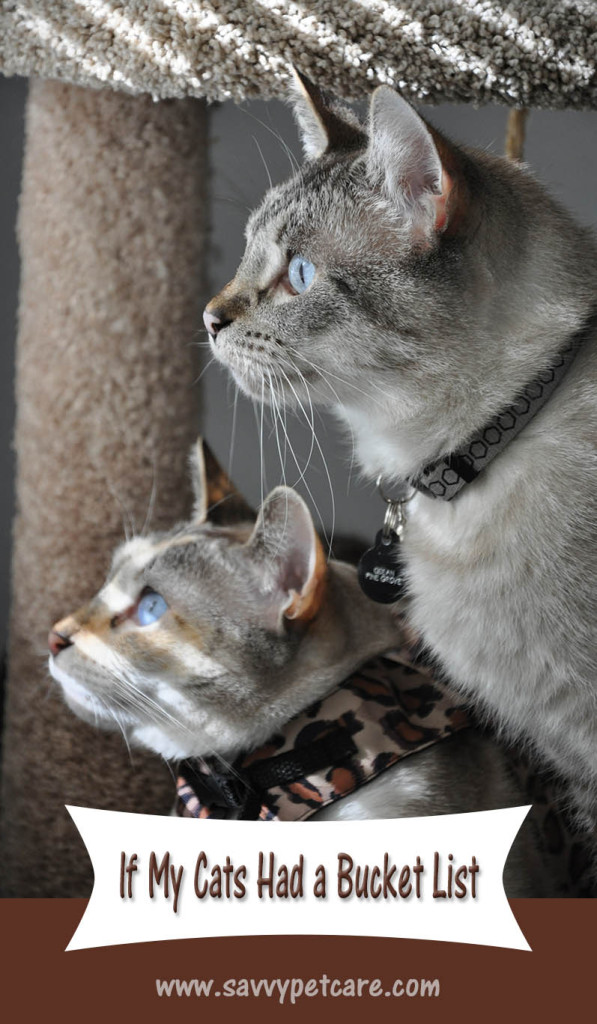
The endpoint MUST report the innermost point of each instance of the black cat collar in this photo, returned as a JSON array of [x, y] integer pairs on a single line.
[[382, 569], [446, 477]]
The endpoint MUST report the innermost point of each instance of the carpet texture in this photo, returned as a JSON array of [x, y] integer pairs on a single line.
[[111, 232], [537, 53]]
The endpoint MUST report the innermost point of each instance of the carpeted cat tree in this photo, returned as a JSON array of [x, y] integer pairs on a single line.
[[111, 230]]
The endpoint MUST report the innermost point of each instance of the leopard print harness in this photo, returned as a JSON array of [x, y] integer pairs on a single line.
[[390, 708]]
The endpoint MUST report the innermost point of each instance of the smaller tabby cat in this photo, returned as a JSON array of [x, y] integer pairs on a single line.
[[206, 640]]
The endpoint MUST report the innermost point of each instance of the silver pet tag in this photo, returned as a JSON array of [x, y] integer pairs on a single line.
[[381, 570]]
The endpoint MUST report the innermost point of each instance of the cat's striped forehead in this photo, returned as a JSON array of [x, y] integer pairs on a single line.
[[133, 560], [177, 648], [307, 196]]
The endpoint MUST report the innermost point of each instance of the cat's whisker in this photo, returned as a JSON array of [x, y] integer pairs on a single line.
[[263, 160], [48, 689], [268, 412], [311, 423], [136, 696], [235, 191], [231, 199], [262, 467], [152, 496], [170, 769], [288, 442], [204, 371], [302, 476], [351, 464], [283, 418], [157, 708], [347, 423], [126, 515], [294, 165], [233, 431], [130, 700], [309, 420], [278, 397], [114, 714], [289, 153], [320, 372], [325, 374], [275, 414], [227, 765]]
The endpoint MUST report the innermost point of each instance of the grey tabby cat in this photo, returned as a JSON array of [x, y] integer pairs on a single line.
[[207, 639], [414, 288]]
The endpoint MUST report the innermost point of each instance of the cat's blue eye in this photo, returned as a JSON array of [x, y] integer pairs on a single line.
[[151, 607], [301, 273]]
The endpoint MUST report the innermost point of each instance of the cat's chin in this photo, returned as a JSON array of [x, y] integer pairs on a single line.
[[80, 700], [256, 386], [249, 375], [251, 384]]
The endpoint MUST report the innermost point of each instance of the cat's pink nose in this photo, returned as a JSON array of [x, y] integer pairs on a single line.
[[57, 642], [213, 322]]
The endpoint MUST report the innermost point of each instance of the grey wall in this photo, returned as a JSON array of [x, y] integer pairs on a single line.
[[12, 104], [561, 147]]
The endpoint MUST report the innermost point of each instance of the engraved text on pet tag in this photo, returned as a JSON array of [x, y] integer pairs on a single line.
[[381, 570]]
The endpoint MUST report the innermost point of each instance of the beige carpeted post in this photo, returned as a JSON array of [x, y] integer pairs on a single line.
[[111, 231]]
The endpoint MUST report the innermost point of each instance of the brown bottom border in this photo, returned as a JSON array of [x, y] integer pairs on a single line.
[[477, 983]]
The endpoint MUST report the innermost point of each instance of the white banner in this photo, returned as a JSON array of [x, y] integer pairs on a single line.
[[418, 878]]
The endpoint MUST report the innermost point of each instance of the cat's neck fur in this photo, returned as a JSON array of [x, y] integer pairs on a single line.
[[349, 630], [532, 281]]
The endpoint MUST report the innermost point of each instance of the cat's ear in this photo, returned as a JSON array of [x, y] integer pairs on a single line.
[[290, 555], [216, 499], [403, 159], [324, 124]]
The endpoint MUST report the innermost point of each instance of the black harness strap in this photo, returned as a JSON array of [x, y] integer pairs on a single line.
[[243, 788]]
